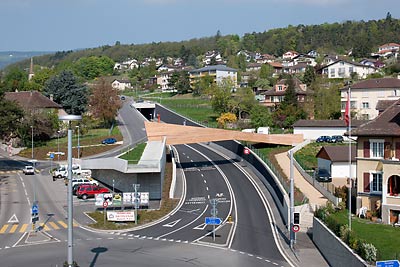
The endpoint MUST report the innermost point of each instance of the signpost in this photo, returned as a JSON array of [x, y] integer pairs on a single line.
[[390, 263], [35, 215], [214, 213], [246, 151]]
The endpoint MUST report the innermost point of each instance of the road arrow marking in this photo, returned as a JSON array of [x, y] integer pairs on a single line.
[[201, 226], [172, 224], [13, 219]]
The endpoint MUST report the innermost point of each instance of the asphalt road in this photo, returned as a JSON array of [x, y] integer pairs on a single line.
[[182, 239]]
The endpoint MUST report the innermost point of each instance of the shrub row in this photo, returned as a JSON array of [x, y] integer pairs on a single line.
[[365, 250]]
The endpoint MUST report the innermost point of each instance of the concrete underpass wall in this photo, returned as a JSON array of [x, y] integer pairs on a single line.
[[149, 182]]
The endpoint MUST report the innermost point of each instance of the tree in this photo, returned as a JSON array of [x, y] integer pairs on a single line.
[[66, 91], [93, 66], [11, 116], [221, 95], [104, 102], [226, 118], [260, 116], [14, 79], [290, 97], [309, 75], [182, 85], [266, 71], [243, 101]]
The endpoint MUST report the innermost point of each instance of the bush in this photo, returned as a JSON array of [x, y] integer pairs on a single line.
[[368, 252]]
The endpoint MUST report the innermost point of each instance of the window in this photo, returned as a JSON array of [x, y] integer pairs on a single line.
[[365, 105], [351, 70], [377, 148], [332, 72], [365, 117], [279, 87], [396, 92], [394, 185], [376, 182]]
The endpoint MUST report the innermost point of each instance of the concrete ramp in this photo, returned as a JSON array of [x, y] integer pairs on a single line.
[[182, 134]]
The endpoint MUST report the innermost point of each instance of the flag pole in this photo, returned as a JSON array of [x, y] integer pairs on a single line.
[[349, 131]]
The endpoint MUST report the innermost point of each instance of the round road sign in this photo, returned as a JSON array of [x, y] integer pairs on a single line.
[[105, 204], [246, 151], [296, 228]]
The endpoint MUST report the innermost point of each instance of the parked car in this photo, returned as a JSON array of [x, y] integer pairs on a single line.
[[76, 181], [28, 170], [75, 188], [323, 138], [109, 141], [336, 139], [323, 176], [87, 191]]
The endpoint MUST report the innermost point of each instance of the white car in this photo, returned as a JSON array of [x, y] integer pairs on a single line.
[[28, 170], [83, 181]]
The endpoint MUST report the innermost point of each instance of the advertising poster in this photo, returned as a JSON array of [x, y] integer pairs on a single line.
[[109, 198], [121, 216], [127, 198], [99, 199], [117, 198]]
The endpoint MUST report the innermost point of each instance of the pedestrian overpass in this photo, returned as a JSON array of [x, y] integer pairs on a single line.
[[183, 134]]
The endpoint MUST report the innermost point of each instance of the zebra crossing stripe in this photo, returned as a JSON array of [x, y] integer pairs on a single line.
[[63, 224], [3, 229], [13, 228], [54, 225], [23, 228]]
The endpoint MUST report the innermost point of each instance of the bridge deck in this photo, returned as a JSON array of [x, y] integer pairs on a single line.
[[182, 134]]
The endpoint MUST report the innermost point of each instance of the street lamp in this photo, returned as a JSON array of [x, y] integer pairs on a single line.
[[69, 119], [58, 146], [32, 140], [78, 140]]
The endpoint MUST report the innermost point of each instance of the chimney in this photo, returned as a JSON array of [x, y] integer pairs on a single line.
[[51, 97]]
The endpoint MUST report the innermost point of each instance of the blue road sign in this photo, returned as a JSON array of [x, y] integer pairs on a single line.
[[35, 208], [391, 263], [52, 155], [213, 221]]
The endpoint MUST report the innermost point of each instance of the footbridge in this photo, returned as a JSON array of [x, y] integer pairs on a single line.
[[183, 134]]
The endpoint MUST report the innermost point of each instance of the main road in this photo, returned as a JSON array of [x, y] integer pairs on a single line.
[[245, 238]]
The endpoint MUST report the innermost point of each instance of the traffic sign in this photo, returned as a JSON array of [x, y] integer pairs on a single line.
[[52, 155], [390, 263], [35, 208], [213, 221], [246, 151], [105, 204], [296, 228]]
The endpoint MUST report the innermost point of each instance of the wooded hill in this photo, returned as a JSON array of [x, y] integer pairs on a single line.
[[360, 37]]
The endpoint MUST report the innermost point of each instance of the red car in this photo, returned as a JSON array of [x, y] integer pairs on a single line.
[[89, 190]]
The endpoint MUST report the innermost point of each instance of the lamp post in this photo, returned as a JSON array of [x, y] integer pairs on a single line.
[[78, 140], [32, 140], [69, 119], [58, 147]]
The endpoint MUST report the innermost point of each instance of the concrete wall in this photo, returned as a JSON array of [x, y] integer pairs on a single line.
[[335, 251]]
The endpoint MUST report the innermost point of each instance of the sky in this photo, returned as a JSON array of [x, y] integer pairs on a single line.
[[61, 25]]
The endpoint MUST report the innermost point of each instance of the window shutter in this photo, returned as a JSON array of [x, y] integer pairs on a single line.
[[386, 153], [366, 182], [366, 149], [398, 150]]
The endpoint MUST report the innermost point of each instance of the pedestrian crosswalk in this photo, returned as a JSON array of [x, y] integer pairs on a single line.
[[26, 227]]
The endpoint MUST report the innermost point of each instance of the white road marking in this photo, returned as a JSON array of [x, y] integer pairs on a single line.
[[13, 219], [205, 181], [207, 188], [201, 227], [172, 224]]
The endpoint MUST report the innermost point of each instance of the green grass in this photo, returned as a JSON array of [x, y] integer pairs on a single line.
[[197, 109], [306, 156], [135, 154], [384, 237]]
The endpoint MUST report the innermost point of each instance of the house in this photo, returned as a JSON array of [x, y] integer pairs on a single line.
[[212, 55], [34, 101], [121, 84], [253, 66], [378, 165], [276, 95], [303, 59], [366, 94], [265, 58], [335, 159], [219, 73], [312, 129], [388, 49], [278, 68], [344, 69], [290, 55], [163, 79], [295, 69]]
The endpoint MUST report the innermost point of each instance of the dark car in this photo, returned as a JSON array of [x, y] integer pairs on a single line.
[[336, 139], [323, 175], [109, 141], [323, 138]]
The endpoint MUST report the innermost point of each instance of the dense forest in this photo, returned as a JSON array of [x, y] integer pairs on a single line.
[[359, 37]]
